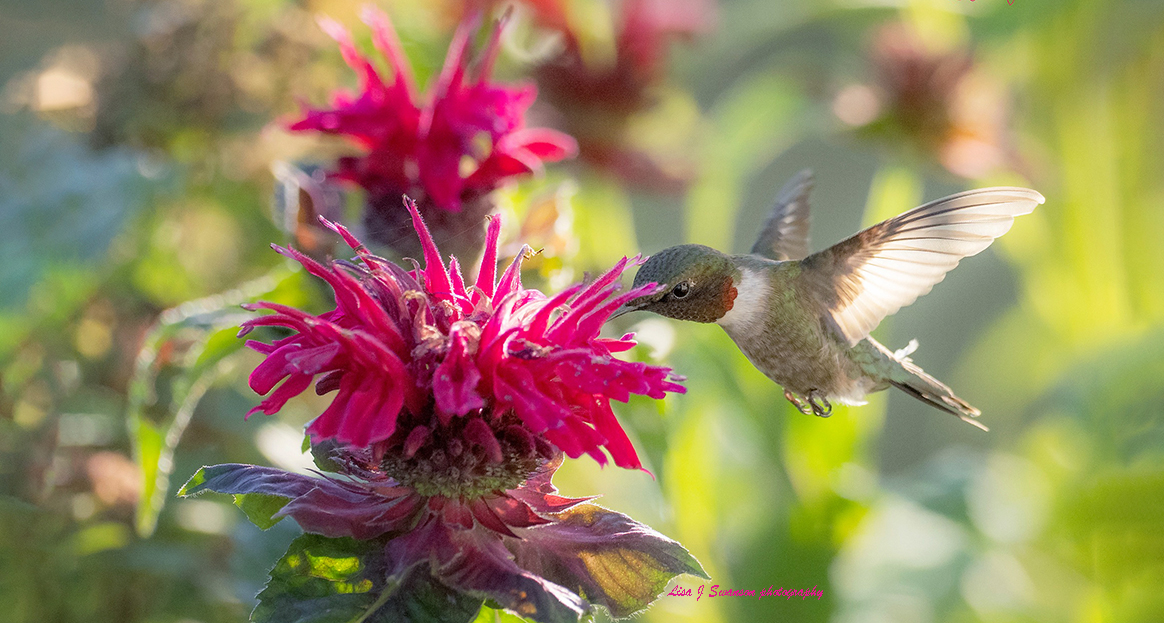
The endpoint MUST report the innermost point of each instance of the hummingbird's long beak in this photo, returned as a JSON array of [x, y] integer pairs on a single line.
[[630, 306]]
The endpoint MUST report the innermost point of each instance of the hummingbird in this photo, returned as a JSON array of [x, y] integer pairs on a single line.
[[804, 320]]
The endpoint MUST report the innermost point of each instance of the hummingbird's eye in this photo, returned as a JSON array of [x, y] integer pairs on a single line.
[[681, 289]]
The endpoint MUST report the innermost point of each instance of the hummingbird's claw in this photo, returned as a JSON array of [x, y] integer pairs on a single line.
[[817, 405], [823, 408], [796, 402]]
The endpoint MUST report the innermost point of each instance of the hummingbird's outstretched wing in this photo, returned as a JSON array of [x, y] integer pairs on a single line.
[[876, 272], [785, 234]]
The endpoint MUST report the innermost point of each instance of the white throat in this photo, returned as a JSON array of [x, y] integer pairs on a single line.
[[752, 292]]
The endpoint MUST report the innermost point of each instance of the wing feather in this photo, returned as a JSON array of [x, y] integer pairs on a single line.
[[876, 272], [785, 233]]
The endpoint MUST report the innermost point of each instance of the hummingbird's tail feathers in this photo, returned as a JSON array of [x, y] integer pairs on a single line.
[[935, 393]]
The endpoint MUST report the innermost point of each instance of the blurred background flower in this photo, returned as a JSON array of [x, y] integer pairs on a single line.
[[448, 153], [931, 96], [607, 76], [139, 141]]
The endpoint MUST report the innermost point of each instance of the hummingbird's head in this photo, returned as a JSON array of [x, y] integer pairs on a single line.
[[696, 283]]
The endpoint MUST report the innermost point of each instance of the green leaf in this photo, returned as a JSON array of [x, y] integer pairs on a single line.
[[326, 580], [321, 453], [260, 508], [185, 352], [319, 505], [491, 614]]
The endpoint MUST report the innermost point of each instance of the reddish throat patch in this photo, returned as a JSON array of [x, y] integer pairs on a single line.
[[729, 297]]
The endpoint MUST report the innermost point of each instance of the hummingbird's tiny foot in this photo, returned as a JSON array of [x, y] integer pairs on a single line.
[[798, 403], [821, 407]]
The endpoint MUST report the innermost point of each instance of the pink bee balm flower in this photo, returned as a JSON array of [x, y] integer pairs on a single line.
[[454, 404], [449, 150], [427, 368]]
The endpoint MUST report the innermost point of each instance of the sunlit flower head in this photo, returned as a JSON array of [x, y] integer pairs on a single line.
[[456, 377], [455, 403], [448, 149]]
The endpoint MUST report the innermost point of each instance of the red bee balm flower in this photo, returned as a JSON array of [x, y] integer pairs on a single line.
[[454, 404], [414, 355], [449, 152]]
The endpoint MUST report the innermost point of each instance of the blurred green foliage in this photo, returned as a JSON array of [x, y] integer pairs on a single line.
[[135, 176]]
